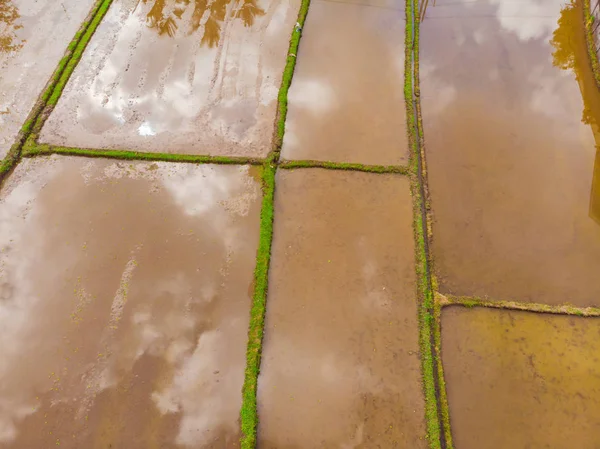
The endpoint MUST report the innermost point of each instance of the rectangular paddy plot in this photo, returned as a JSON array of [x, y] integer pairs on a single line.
[[340, 363], [34, 35], [512, 163], [521, 380], [346, 102], [170, 76], [125, 296]]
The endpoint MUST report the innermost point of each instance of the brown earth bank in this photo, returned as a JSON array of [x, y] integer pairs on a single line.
[[124, 303]]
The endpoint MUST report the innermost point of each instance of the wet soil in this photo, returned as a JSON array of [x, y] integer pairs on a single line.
[[340, 362], [124, 303], [179, 77], [511, 151], [34, 35], [346, 102], [521, 380]]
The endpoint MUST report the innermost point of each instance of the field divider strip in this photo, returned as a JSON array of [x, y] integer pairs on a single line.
[[286, 80], [35, 115], [35, 150], [443, 397], [378, 169], [130, 155], [437, 418], [249, 413], [71, 64], [473, 301]]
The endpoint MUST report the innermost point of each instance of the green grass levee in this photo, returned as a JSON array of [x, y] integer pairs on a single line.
[[77, 52], [286, 81], [130, 155], [436, 410], [561, 309], [249, 413], [380, 169], [62, 72]]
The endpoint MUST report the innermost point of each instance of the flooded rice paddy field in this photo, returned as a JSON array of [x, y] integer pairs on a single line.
[[126, 286], [34, 35], [166, 76], [511, 151], [521, 380], [340, 360], [124, 303], [346, 103]]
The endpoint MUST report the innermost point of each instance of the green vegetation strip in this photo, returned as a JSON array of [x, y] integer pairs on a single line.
[[439, 381], [39, 150], [344, 166], [14, 154], [443, 398], [286, 81], [249, 413], [589, 23], [32, 150], [563, 309], [436, 411], [77, 53]]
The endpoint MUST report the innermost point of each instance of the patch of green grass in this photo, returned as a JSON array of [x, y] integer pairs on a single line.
[[31, 149], [443, 398], [68, 62], [469, 303], [562, 309], [345, 166], [101, 10], [436, 411], [8, 163], [426, 323], [589, 22], [248, 413], [43, 149], [288, 74]]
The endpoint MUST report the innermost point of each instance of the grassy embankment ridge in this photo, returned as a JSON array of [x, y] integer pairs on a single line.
[[56, 83]]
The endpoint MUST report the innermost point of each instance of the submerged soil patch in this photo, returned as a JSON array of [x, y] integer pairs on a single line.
[[511, 151], [125, 295], [178, 77], [340, 363], [521, 380], [346, 103]]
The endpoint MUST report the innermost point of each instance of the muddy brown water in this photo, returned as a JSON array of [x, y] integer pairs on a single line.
[[179, 77], [124, 303], [34, 35], [510, 150], [521, 380], [340, 363], [346, 102]]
